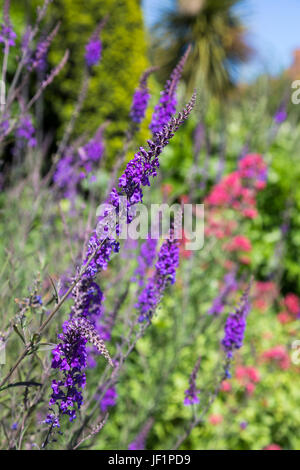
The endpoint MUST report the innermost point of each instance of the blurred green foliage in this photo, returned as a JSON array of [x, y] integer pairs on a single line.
[[124, 58]]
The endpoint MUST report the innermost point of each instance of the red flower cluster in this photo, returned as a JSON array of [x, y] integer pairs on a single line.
[[238, 189], [253, 168], [183, 252], [264, 294], [248, 377], [215, 419], [279, 355], [217, 226], [292, 303], [291, 310]]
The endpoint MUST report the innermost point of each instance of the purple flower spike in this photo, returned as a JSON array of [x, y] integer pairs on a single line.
[[165, 274], [219, 303], [141, 98], [280, 116], [191, 394], [70, 355], [166, 107], [145, 259], [7, 34], [94, 148]]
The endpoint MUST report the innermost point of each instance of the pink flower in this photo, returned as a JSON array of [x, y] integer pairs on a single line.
[[254, 168], [292, 303], [284, 317], [215, 419], [239, 243]]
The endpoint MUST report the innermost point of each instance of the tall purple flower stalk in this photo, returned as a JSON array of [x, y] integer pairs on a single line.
[[199, 136], [4, 125], [70, 354], [145, 259], [165, 274], [166, 107], [137, 174], [141, 98], [191, 394], [235, 326]]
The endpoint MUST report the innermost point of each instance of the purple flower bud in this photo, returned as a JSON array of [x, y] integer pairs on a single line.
[[219, 303], [26, 131], [93, 52], [191, 394]]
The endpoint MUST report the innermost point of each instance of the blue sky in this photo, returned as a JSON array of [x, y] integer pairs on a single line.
[[274, 31]]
